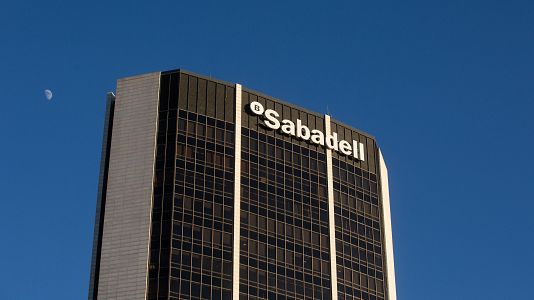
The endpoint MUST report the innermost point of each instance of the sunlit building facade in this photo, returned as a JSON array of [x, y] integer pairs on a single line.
[[210, 190]]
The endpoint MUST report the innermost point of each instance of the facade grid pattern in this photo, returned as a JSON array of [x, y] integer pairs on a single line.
[[201, 262], [284, 220], [358, 235], [300, 206]]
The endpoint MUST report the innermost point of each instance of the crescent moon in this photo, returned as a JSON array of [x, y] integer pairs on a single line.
[[48, 94]]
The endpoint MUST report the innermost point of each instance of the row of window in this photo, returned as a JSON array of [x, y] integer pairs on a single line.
[[346, 292], [216, 263], [201, 234], [358, 206], [265, 161], [318, 152], [355, 170], [369, 268], [356, 181], [277, 172], [350, 217], [200, 167], [210, 133], [264, 225], [271, 178], [267, 248], [356, 191], [287, 157], [185, 289], [207, 158], [358, 233], [205, 120], [205, 182], [286, 202], [286, 261], [208, 98], [256, 282], [298, 192], [310, 218], [291, 211], [217, 190], [277, 196], [210, 205]]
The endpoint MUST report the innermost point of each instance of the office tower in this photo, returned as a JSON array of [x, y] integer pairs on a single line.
[[210, 190]]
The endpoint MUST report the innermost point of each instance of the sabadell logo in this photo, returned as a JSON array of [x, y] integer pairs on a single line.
[[330, 141]]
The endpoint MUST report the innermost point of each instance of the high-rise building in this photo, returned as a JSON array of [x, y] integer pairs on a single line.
[[209, 190]]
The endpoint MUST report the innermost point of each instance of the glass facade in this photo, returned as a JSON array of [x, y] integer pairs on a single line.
[[358, 238], [192, 217], [284, 221], [359, 250], [284, 250], [284, 243]]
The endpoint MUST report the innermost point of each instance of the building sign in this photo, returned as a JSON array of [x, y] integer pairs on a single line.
[[301, 131]]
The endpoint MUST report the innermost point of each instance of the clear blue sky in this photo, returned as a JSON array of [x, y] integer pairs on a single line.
[[447, 87]]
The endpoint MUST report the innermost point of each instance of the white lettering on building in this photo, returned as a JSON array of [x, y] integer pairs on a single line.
[[301, 131]]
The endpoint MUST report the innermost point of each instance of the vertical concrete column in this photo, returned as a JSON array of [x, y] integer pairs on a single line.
[[331, 220], [388, 235], [237, 193], [128, 209]]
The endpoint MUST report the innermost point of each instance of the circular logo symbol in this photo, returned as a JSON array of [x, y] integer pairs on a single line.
[[257, 108]]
